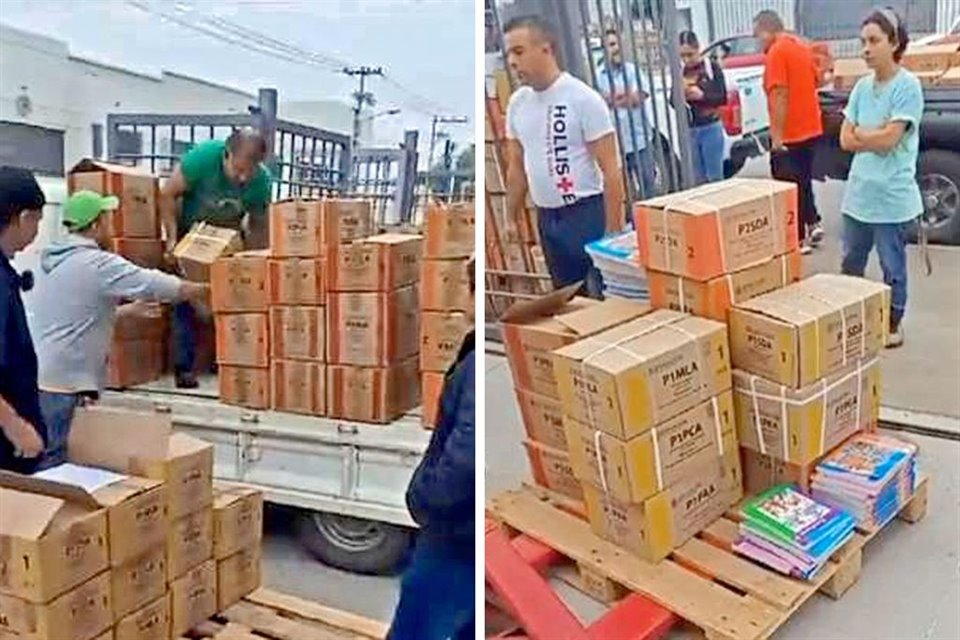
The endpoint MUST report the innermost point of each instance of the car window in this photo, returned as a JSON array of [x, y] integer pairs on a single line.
[[743, 46]]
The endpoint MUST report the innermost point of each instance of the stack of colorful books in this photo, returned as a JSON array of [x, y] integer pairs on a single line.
[[791, 533], [871, 476]]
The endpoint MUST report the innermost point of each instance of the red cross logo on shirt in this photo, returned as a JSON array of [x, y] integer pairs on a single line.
[[565, 185]]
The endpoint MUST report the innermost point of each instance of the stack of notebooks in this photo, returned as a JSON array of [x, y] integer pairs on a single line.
[[616, 258], [790, 532], [871, 476]]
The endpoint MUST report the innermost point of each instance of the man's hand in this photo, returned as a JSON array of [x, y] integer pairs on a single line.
[[694, 93], [24, 437], [197, 293]]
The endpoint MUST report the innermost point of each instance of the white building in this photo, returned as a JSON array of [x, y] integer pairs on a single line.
[[51, 102]]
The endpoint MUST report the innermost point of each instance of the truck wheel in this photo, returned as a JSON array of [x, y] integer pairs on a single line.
[[939, 179], [354, 544]]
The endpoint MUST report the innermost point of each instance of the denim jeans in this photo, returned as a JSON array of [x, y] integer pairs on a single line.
[[890, 239], [640, 168], [707, 143], [436, 595], [184, 337], [564, 232], [57, 411]]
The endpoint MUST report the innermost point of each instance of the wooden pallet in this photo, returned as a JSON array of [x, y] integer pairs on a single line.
[[703, 581], [269, 615]]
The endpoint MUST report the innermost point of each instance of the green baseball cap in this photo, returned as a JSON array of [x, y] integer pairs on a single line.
[[84, 207]]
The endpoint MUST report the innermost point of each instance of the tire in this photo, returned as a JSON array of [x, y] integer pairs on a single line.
[[939, 179], [353, 544]]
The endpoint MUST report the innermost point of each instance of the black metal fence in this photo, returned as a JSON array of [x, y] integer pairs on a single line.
[[305, 161]]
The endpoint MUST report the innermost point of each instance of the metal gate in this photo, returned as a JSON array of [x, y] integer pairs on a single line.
[[305, 161], [648, 37]]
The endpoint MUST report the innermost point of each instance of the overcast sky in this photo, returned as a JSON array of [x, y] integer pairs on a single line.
[[427, 46]]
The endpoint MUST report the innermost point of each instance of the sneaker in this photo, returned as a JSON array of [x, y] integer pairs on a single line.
[[805, 248], [186, 381], [895, 339], [815, 234]]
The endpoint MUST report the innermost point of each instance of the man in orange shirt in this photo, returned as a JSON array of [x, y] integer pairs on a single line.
[[790, 82]]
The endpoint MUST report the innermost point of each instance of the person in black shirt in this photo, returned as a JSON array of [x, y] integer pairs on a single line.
[[705, 91], [21, 427]]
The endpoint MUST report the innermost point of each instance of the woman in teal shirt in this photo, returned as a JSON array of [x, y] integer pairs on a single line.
[[881, 128]]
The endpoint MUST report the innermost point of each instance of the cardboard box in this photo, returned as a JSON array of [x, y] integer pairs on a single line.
[[847, 71], [298, 281], [713, 298], [139, 582], [636, 469], [431, 385], [243, 339], [532, 329], [202, 246], [761, 472], [237, 519], [189, 542], [654, 527], [298, 332], [145, 252], [371, 394], [140, 321], [542, 419], [240, 283], [551, 468], [950, 78], [629, 378], [445, 285], [144, 445], [237, 576], [59, 542], [372, 329], [441, 335], [808, 330], [151, 622], [136, 508], [245, 386], [138, 191], [718, 228], [379, 263], [449, 230], [800, 425], [193, 598], [134, 362], [299, 387], [304, 228], [82, 613], [931, 58]]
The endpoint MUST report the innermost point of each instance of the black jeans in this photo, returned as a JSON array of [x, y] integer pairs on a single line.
[[796, 165], [564, 232]]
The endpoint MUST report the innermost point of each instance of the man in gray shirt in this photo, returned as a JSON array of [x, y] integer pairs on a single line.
[[78, 289]]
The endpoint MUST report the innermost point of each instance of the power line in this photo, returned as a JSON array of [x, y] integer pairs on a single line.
[[252, 40]]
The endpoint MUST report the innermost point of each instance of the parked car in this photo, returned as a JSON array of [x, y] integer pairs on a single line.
[[938, 172]]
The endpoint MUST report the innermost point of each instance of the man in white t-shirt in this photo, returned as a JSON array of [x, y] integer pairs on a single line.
[[561, 145]]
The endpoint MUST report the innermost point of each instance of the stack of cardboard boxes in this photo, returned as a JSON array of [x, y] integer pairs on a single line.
[[936, 65], [119, 543], [138, 347], [444, 296], [326, 322], [532, 331], [806, 373], [373, 328], [240, 298]]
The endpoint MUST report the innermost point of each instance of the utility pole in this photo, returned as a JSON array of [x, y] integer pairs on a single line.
[[362, 96]]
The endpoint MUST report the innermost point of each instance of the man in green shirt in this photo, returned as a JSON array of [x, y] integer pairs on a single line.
[[226, 184]]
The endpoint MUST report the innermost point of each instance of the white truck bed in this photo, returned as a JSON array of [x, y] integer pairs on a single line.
[[315, 463]]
